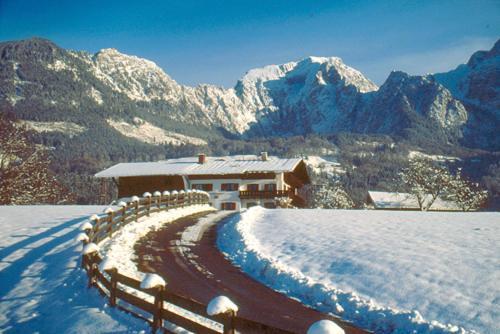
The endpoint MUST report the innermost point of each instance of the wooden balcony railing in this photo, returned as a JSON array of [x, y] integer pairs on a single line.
[[244, 194]]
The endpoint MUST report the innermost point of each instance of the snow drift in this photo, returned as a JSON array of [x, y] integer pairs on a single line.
[[390, 272]]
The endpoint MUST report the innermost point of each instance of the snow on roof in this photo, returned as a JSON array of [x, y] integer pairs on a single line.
[[237, 164], [394, 200]]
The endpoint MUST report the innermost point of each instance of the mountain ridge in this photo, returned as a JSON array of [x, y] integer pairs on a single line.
[[315, 95]]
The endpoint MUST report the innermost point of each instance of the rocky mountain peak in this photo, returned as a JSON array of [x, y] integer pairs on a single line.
[[312, 95]]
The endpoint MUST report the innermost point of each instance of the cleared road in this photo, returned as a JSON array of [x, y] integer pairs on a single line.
[[198, 270]]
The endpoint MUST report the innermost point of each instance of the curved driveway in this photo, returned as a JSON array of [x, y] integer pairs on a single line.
[[198, 270]]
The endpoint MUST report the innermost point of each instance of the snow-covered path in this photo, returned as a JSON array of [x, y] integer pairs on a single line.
[[392, 272], [42, 289]]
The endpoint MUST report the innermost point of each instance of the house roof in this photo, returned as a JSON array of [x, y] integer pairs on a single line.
[[236, 164], [405, 201]]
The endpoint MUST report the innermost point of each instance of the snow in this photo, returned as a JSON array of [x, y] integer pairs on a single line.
[[235, 164], [325, 327], [119, 251], [151, 134], [86, 226], [388, 271], [120, 248], [193, 233], [82, 237], [324, 165], [151, 281], [109, 210], [107, 264], [96, 95], [90, 249], [42, 288], [221, 305], [439, 158], [391, 200], [69, 128]]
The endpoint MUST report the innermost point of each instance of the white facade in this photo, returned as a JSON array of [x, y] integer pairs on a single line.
[[219, 196]]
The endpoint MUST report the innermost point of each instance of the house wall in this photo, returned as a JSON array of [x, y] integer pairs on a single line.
[[217, 197], [138, 185], [130, 186]]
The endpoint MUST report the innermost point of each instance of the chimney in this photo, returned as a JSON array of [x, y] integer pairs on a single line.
[[263, 156], [201, 158]]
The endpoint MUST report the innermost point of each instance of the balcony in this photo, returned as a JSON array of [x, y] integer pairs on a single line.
[[246, 194]]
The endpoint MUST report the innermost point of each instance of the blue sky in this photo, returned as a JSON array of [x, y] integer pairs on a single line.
[[218, 41]]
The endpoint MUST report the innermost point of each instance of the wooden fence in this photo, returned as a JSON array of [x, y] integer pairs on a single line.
[[148, 304]]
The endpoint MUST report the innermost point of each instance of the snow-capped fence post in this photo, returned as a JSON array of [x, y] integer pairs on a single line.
[[136, 200], [148, 196], [157, 196], [224, 307], [325, 327], [89, 254], [93, 272], [110, 212], [181, 198], [174, 197], [157, 320], [166, 196], [123, 208], [157, 284]]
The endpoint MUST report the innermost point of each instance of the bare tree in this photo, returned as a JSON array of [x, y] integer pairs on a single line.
[[426, 180], [24, 169], [331, 195], [468, 196]]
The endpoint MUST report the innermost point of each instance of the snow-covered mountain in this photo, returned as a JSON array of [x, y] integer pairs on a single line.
[[477, 85], [405, 103], [41, 82]]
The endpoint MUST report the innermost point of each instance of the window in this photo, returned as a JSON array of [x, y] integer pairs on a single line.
[[228, 206], [270, 187], [270, 205], [202, 186], [250, 204], [253, 187], [229, 187]]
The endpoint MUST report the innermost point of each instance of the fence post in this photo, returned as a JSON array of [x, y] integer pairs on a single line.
[[136, 203], [158, 306], [110, 223], [122, 220], [229, 325], [227, 309], [92, 270], [149, 205], [114, 284], [84, 260]]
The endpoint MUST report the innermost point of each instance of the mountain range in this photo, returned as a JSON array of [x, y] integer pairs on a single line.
[[75, 93]]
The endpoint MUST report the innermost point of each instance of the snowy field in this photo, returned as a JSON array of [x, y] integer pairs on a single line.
[[392, 272], [42, 289]]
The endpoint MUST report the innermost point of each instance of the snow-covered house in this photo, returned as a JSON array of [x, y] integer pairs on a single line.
[[382, 200], [233, 182]]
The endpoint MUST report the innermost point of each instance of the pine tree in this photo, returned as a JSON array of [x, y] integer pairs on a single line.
[[24, 169]]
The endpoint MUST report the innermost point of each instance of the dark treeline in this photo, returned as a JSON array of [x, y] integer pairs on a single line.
[[370, 162]]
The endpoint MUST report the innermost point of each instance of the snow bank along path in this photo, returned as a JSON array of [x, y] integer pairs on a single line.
[[42, 288], [120, 248], [387, 271]]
